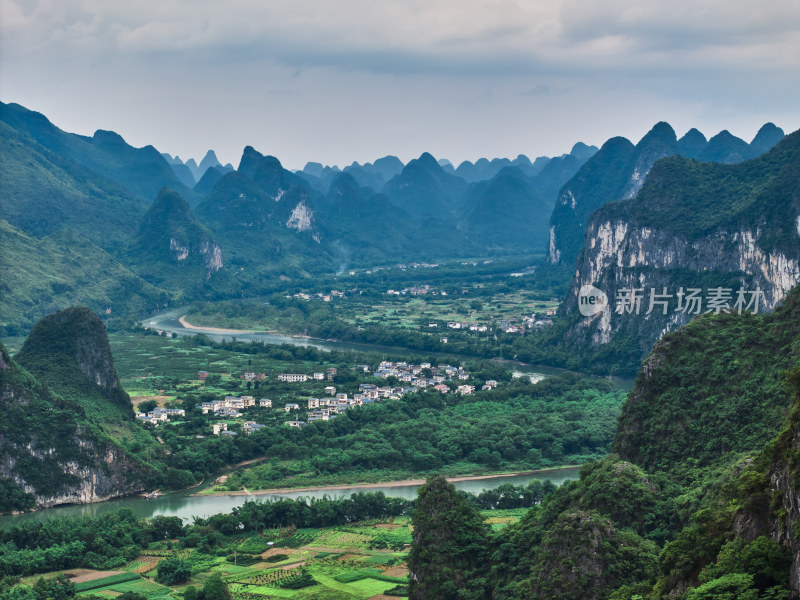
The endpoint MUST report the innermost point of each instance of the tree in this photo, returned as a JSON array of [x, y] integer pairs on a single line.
[[56, 588], [147, 406], [735, 586], [190, 593], [450, 557], [216, 589], [173, 570], [213, 379]]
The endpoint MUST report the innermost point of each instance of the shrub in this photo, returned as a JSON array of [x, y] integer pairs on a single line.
[[173, 570], [276, 558], [295, 582]]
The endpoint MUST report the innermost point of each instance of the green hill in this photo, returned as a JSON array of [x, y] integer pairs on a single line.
[[684, 410], [699, 502], [43, 192], [40, 276], [264, 216], [508, 212], [69, 352], [141, 171], [173, 250], [65, 417], [423, 189]]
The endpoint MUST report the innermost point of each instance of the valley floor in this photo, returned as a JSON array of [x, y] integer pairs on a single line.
[[381, 484]]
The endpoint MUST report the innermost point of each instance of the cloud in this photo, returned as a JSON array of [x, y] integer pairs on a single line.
[[357, 79], [435, 35]]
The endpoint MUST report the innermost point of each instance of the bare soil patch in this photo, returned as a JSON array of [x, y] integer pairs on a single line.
[[397, 572], [273, 551], [136, 400], [81, 575]]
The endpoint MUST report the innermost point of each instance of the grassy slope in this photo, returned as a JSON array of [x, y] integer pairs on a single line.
[[42, 192], [41, 276]]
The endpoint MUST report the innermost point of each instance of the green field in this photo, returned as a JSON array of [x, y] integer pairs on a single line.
[[355, 569], [480, 305]]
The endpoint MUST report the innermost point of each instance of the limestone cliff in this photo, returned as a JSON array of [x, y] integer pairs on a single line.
[[693, 226], [173, 245], [64, 416], [618, 171]]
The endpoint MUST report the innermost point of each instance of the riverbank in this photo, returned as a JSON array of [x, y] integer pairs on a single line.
[[384, 484], [186, 325]]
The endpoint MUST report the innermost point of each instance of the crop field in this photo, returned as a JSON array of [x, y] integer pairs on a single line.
[[351, 568], [163, 369], [339, 562], [138, 586], [342, 539], [481, 305], [419, 311]]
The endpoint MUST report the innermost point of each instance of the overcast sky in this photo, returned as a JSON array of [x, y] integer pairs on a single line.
[[334, 82]]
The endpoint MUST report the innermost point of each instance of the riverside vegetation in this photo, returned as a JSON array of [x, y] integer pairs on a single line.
[[705, 521], [697, 500], [350, 548], [564, 420]]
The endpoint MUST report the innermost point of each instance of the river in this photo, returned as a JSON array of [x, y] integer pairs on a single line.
[[169, 321], [186, 506]]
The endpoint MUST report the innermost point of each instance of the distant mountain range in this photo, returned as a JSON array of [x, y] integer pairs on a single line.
[[142, 172], [173, 230], [190, 173], [619, 169]]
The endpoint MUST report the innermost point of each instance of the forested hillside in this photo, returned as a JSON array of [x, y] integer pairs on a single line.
[[699, 502], [61, 439]]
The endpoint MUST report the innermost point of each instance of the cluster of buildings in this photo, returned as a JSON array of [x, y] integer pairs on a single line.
[[329, 374], [459, 325], [419, 290], [159, 415], [221, 428], [421, 375], [318, 296], [409, 378], [231, 406]]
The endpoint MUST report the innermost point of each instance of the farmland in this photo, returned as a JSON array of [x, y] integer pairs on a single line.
[[353, 561]]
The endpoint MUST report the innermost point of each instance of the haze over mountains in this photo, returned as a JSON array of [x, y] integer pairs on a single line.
[[175, 231]]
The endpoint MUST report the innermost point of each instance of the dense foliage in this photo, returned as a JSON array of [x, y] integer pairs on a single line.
[[682, 414], [450, 555], [562, 420], [710, 515]]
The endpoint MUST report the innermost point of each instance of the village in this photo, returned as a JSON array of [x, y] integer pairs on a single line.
[[405, 378]]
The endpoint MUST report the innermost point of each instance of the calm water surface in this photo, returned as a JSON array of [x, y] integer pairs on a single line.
[[186, 506]]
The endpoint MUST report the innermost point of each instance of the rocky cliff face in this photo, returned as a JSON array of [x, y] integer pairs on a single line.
[[692, 227], [774, 511], [618, 171], [170, 238], [53, 443], [784, 483], [263, 214]]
